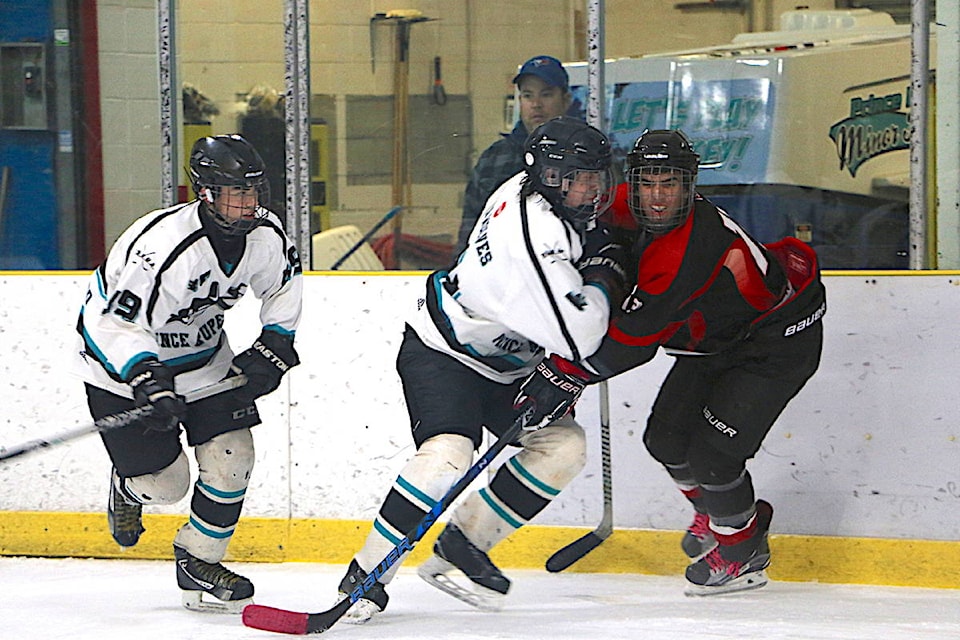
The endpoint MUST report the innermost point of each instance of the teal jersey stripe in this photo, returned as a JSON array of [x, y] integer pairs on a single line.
[[191, 357], [278, 329]]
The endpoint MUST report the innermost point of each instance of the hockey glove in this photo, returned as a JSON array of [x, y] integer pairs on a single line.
[[604, 264], [553, 388], [264, 364], [152, 385]]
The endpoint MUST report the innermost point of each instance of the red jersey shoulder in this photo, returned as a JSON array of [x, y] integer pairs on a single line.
[[618, 215], [661, 259]]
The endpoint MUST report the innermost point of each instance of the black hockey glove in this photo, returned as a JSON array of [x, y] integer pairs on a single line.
[[604, 263], [264, 364], [152, 385], [553, 388]]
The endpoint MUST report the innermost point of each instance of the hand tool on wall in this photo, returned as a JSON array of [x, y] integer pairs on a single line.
[[402, 19], [439, 94]]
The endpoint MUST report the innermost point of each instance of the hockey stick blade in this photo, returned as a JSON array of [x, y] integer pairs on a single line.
[[576, 550], [580, 547], [293, 622], [299, 623]]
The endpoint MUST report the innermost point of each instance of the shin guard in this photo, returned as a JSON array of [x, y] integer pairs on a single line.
[[225, 464]]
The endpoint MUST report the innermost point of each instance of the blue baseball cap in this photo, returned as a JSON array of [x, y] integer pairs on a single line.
[[548, 69]]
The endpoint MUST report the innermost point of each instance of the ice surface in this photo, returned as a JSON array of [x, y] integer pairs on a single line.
[[132, 599]]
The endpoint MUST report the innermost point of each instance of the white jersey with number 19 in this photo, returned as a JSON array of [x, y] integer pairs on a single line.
[[163, 291]]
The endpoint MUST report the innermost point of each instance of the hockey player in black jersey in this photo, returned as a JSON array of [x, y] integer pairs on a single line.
[[486, 335], [151, 330], [742, 320]]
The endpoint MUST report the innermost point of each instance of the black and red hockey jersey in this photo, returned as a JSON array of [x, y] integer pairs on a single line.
[[702, 288]]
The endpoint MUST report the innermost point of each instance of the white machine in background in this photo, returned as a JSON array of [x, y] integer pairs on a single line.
[[802, 132], [330, 246]]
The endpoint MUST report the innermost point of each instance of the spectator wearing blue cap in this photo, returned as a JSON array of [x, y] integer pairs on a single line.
[[544, 89]]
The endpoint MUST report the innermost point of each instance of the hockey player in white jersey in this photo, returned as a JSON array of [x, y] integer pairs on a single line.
[[507, 325], [151, 329]]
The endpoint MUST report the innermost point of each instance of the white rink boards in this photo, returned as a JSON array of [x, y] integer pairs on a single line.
[[868, 448]]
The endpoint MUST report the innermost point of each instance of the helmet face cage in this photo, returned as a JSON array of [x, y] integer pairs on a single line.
[[568, 163], [584, 194], [660, 198], [228, 177], [661, 180]]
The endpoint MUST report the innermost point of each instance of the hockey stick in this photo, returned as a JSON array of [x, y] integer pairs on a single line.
[[117, 420], [366, 236], [584, 545], [298, 623]]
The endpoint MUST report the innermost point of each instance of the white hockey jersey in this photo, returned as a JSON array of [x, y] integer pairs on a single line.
[[515, 292], [163, 291]]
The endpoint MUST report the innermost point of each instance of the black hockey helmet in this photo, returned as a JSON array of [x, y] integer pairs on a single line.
[[225, 161], [562, 153], [661, 175]]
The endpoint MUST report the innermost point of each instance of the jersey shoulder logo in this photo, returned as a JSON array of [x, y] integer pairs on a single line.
[[195, 284], [146, 259], [577, 299], [555, 253], [632, 302]]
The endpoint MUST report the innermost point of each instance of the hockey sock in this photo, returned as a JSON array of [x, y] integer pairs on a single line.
[[225, 464], [695, 496], [739, 542], [426, 477], [682, 476], [730, 503], [524, 485]]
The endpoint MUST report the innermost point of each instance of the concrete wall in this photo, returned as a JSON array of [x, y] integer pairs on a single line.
[[129, 110], [227, 47], [868, 449]]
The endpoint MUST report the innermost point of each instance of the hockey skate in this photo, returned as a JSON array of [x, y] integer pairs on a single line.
[[452, 550], [738, 567], [698, 540], [124, 515], [374, 600], [231, 592]]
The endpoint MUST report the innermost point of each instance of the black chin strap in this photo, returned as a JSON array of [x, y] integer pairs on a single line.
[[228, 247]]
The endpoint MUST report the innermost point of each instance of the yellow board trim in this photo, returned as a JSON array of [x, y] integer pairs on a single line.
[[875, 561]]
